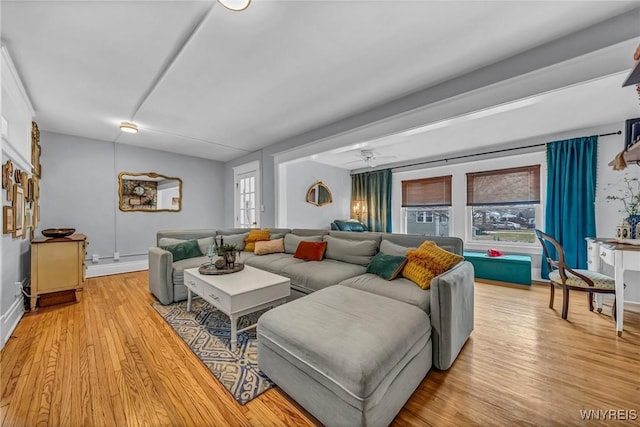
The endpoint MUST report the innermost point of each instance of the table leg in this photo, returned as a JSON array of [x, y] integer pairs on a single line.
[[599, 298], [234, 331], [618, 276], [188, 300]]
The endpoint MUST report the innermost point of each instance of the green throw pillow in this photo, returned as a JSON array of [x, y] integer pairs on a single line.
[[387, 266], [188, 249]]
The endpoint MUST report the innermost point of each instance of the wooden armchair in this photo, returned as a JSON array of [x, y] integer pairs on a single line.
[[564, 277]]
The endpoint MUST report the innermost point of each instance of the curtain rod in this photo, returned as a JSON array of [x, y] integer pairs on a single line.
[[488, 152]]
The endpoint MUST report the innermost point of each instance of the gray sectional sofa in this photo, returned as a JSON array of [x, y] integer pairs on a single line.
[[448, 303]]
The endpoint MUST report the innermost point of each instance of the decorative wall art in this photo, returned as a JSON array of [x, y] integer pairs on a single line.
[[35, 150], [319, 194], [7, 174], [8, 223], [7, 179], [18, 211], [23, 191], [149, 192]]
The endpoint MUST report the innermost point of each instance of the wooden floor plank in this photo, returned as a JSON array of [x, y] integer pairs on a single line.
[[112, 360]]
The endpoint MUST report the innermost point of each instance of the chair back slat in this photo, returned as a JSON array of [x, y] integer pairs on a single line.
[[555, 258]]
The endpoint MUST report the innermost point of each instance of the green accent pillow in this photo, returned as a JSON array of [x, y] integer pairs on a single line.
[[387, 266], [188, 249]]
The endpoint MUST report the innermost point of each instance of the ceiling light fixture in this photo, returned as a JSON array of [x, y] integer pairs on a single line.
[[128, 127], [235, 5]]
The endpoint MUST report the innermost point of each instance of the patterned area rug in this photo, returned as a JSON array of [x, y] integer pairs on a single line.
[[207, 332]]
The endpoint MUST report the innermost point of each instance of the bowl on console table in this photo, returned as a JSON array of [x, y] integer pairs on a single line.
[[58, 232]]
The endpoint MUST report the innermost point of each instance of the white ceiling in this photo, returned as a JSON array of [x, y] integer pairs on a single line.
[[203, 81]]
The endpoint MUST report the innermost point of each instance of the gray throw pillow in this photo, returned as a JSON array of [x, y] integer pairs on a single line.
[[358, 252], [386, 247], [235, 239], [291, 241], [203, 243]]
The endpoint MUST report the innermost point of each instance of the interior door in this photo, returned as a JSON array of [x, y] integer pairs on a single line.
[[247, 196]]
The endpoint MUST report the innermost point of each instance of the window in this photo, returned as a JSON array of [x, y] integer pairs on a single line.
[[504, 204], [426, 206], [423, 217], [247, 195]]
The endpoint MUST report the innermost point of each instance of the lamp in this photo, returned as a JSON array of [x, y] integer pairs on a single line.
[[358, 208], [235, 5], [128, 127]]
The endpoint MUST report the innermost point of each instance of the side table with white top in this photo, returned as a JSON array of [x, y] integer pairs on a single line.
[[238, 294]]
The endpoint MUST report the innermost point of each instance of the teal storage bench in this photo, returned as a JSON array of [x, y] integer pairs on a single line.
[[506, 268]]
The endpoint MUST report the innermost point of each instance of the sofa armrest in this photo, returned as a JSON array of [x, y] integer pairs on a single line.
[[161, 274], [451, 313]]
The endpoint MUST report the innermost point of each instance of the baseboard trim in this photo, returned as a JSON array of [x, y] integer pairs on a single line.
[[10, 319], [117, 268]]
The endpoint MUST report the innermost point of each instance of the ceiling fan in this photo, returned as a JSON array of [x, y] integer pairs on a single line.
[[369, 158]]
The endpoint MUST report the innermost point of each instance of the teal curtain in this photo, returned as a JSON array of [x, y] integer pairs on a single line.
[[375, 189], [571, 193]]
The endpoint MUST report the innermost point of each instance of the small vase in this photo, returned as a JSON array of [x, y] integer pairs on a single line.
[[634, 224]]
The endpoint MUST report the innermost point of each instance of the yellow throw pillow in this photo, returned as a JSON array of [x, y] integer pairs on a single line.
[[418, 274], [264, 247], [254, 236], [427, 262]]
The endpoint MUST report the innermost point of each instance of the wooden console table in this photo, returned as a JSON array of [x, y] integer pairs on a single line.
[[57, 264]]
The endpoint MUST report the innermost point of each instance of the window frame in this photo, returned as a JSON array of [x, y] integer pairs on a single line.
[[534, 200]]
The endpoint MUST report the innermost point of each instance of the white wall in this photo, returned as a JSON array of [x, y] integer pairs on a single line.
[[295, 178], [79, 189], [17, 113]]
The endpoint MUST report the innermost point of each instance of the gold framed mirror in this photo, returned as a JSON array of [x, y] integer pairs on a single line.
[[319, 194], [149, 192]]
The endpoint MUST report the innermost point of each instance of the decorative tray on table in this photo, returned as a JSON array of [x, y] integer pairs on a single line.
[[208, 268]]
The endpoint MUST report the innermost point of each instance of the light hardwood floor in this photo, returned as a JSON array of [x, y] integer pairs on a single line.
[[111, 360]]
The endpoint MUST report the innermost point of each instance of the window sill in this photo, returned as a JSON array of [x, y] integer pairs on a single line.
[[530, 249]]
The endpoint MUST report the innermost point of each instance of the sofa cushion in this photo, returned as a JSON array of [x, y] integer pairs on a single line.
[[184, 250], [254, 236], [234, 239], [273, 263], [352, 342], [386, 266], [310, 251], [180, 266], [400, 289], [427, 262], [358, 252], [312, 276], [265, 247], [291, 241], [203, 243], [389, 248]]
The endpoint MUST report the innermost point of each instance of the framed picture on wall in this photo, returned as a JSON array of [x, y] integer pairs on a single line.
[[632, 132], [18, 210], [7, 219]]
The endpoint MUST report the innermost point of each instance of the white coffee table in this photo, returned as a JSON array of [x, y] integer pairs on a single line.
[[237, 294]]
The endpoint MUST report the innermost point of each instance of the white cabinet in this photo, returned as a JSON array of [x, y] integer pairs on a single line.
[[17, 114]]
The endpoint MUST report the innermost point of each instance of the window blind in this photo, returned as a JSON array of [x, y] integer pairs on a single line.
[[514, 186], [427, 192]]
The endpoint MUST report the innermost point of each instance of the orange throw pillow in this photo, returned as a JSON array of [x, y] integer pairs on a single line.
[[310, 251], [254, 236]]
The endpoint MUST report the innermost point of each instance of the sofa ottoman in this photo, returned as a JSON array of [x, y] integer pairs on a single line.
[[349, 357]]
